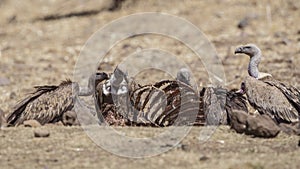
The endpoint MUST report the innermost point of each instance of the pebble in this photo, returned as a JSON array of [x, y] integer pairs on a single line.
[[221, 141], [41, 133], [243, 23], [184, 147], [31, 123], [203, 158], [70, 118], [12, 95]]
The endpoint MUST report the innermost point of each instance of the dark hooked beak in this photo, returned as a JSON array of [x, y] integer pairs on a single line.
[[238, 50]]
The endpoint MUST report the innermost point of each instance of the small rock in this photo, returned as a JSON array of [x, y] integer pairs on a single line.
[[12, 19], [12, 95], [299, 143], [284, 41], [293, 6], [31, 123], [41, 133], [221, 141], [243, 23], [116, 4], [125, 46], [184, 147], [203, 158], [280, 34], [70, 118]]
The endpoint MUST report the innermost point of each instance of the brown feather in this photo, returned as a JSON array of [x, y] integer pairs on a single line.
[[46, 104], [267, 97]]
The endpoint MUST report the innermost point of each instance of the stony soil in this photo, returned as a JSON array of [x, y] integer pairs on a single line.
[[40, 42]]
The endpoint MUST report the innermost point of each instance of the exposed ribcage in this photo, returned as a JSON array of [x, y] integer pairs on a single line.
[[165, 103]]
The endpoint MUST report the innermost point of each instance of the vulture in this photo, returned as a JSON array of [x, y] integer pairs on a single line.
[[219, 103], [112, 97], [46, 104], [184, 76], [268, 96], [164, 103], [49, 104]]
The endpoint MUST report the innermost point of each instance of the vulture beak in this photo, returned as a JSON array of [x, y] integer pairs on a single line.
[[238, 50]]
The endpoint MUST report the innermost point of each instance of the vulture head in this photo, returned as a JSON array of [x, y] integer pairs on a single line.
[[184, 76], [94, 79], [255, 57], [250, 50], [119, 82]]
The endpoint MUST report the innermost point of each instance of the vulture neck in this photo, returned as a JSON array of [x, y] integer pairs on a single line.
[[253, 65]]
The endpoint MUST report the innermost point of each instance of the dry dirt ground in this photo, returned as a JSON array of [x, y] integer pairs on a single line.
[[40, 42]]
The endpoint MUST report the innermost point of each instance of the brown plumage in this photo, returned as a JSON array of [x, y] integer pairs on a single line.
[[214, 101], [235, 101], [218, 104], [46, 104], [275, 99], [267, 95]]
